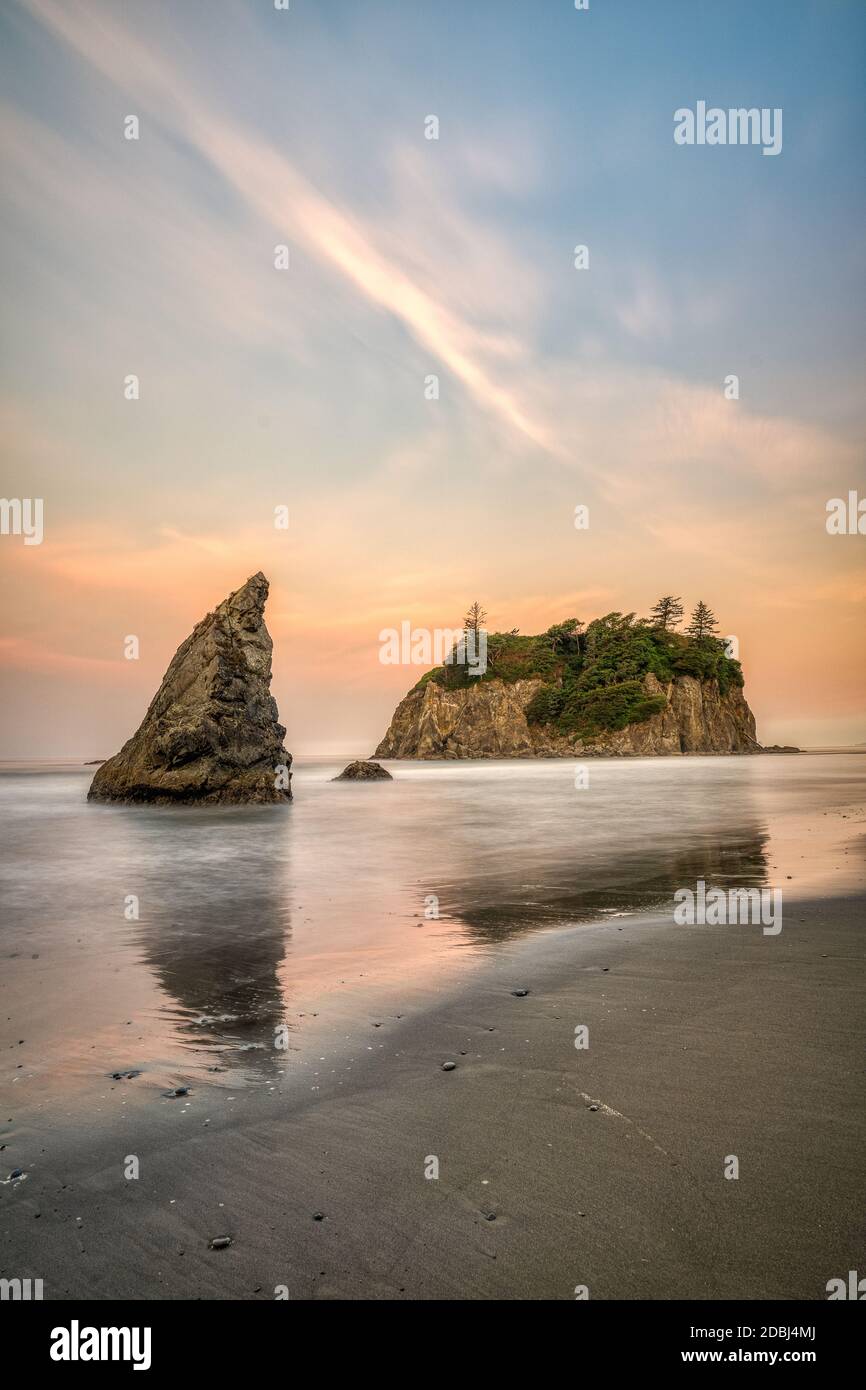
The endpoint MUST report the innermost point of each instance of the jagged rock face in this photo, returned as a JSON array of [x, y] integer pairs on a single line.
[[488, 720], [211, 733]]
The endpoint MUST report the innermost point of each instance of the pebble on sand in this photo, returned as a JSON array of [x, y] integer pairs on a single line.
[[520, 993], [449, 1066], [220, 1243]]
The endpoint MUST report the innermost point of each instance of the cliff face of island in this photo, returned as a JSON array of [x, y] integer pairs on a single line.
[[211, 733], [488, 720], [620, 689]]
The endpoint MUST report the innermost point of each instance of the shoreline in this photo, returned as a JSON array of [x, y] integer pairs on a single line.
[[704, 1042]]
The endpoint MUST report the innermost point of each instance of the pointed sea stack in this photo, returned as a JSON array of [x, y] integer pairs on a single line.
[[211, 734]]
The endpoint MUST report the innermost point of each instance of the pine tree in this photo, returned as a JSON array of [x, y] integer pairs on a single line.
[[667, 613], [475, 618], [703, 623]]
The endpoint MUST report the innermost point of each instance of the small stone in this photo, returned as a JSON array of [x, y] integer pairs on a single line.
[[520, 993], [363, 771], [593, 1107], [220, 1243], [449, 1066], [318, 1216], [16, 1173]]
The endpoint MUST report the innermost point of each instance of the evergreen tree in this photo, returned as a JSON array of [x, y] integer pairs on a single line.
[[703, 625], [667, 613], [475, 619]]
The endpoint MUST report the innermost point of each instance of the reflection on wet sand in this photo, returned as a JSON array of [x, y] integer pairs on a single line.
[[504, 903], [216, 939], [219, 937]]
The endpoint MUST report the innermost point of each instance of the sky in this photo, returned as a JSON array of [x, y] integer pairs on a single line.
[[409, 258]]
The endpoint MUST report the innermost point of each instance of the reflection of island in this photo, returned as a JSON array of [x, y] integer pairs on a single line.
[[520, 897], [214, 930]]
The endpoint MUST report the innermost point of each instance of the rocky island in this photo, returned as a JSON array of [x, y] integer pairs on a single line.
[[620, 687], [211, 733]]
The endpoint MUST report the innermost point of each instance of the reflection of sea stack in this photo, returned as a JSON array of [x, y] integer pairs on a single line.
[[216, 931], [211, 732]]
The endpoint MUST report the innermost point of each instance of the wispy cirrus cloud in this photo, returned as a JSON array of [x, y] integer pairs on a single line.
[[280, 194]]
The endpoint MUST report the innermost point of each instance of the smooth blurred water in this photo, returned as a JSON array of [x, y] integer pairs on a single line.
[[250, 919]]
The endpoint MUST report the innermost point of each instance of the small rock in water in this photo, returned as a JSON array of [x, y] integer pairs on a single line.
[[16, 1173], [449, 1066], [520, 993], [593, 1107], [364, 771], [220, 1243]]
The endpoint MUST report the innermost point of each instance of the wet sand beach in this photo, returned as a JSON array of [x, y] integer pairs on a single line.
[[703, 1043]]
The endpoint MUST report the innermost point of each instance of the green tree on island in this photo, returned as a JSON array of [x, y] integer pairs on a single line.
[[565, 637], [475, 620], [703, 626], [667, 613]]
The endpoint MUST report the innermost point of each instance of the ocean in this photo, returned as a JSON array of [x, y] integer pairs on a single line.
[[215, 945]]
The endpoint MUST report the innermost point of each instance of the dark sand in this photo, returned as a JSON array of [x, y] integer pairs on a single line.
[[704, 1042]]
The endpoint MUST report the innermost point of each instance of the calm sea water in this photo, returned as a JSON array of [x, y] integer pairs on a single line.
[[306, 915]]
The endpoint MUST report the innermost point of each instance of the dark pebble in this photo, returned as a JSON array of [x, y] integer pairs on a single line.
[[318, 1216], [520, 993]]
